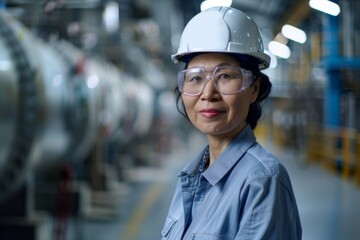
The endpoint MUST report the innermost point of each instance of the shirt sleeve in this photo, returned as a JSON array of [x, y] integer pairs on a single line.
[[268, 210]]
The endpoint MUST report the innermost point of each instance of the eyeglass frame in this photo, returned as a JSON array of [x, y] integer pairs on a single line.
[[242, 70]]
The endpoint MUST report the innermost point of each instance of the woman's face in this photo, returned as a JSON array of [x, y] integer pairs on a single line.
[[213, 113]]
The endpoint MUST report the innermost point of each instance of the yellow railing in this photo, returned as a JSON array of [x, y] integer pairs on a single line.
[[316, 144], [336, 149]]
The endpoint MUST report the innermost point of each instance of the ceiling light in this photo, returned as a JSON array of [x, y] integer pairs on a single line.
[[111, 17], [279, 49], [293, 33], [215, 3], [325, 6]]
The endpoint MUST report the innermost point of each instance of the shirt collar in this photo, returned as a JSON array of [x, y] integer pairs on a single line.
[[192, 167], [226, 160], [204, 163]]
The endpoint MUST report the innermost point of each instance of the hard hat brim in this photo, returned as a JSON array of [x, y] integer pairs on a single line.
[[262, 59]]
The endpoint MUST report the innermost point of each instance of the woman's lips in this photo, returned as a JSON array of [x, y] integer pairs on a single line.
[[210, 112]]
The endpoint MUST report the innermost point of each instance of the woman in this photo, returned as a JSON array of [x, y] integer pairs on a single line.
[[233, 189]]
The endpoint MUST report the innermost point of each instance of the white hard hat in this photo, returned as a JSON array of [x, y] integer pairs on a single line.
[[224, 30]]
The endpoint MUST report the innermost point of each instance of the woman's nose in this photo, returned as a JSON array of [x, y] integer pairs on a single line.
[[210, 92]]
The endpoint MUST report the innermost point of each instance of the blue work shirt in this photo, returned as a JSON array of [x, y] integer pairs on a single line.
[[245, 193]]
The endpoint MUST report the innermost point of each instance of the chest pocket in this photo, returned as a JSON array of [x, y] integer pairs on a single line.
[[169, 224]]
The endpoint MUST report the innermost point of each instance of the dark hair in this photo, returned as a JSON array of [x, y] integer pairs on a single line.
[[255, 111]]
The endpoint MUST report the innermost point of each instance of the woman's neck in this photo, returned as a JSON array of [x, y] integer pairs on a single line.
[[217, 144]]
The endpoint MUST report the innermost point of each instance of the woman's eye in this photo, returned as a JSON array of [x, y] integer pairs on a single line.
[[194, 79], [224, 77]]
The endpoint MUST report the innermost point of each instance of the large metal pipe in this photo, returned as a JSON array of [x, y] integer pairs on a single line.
[[19, 106], [55, 102]]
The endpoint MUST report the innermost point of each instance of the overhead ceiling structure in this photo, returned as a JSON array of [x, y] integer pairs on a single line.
[[171, 16], [273, 14], [267, 9]]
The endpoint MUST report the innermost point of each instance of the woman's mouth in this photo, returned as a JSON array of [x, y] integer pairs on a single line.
[[210, 112]]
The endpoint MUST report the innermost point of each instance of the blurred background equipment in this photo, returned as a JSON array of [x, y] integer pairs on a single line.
[[60, 109], [89, 127]]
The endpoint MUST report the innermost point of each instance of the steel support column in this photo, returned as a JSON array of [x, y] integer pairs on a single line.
[[333, 87]]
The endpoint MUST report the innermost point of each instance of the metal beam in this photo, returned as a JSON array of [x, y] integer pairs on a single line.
[[295, 16]]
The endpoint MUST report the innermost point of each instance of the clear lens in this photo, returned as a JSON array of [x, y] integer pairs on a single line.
[[227, 80]]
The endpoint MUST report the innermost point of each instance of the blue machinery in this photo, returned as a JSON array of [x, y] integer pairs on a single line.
[[333, 63]]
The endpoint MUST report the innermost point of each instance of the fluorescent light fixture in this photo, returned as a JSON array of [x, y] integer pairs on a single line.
[[214, 3], [111, 17], [325, 6], [279, 49], [293, 33]]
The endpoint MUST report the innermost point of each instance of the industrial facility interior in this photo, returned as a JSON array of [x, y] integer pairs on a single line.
[[91, 142]]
